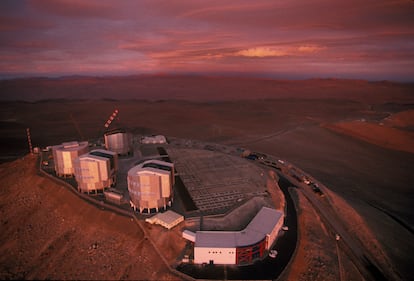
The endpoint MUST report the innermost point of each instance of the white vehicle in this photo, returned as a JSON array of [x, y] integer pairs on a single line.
[[306, 181], [337, 237], [285, 228], [272, 253]]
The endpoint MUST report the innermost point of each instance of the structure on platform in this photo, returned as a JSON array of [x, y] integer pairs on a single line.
[[96, 170], [119, 141], [150, 185], [168, 219], [65, 154], [156, 139], [238, 247]]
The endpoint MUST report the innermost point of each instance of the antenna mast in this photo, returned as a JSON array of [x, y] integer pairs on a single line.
[[111, 118], [29, 140]]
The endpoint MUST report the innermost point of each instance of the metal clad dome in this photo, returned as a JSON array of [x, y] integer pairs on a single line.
[[95, 171], [118, 141], [150, 185], [65, 154]]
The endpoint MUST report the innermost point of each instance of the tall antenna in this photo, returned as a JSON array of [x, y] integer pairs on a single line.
[[29, 140], [111, 118]]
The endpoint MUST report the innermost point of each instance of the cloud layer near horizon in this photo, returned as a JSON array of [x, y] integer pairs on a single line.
[[368, 39]]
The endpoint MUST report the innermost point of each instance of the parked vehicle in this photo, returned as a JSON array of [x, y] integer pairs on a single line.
[[273, 253]]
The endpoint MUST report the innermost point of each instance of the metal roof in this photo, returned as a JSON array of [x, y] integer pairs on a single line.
[[168, 216], [71, 146], [116, 131], [261, 225], [157, 166], [89, 157], [168, 219], [154, 166], [103, 153]]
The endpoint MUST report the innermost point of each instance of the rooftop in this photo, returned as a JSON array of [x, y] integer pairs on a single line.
[[71, 146], [261, 225]]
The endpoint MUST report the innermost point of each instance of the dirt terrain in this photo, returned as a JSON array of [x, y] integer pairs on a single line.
[[392, 132], [49, 233]]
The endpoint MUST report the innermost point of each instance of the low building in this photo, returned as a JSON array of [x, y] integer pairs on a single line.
[[65, 154], [156, 139], [168, 219], [239, 247], [114, 196]]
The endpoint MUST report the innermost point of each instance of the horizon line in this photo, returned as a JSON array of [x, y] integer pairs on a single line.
[[215, 75]]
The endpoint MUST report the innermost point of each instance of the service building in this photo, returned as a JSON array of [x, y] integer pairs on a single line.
[[238, 247]]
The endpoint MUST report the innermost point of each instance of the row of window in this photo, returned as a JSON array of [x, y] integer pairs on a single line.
[[219, 252]]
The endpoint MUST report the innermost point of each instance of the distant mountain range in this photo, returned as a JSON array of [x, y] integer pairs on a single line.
[[197, 88]]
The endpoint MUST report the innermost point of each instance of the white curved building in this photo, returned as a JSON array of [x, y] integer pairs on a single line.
[[238, 247], [65, 154], [96, 170], [118, 141], [150, 185]]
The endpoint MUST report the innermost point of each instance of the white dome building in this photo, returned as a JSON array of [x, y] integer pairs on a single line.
[[150, 185], [65, 154], [96, 171], [119, 141]]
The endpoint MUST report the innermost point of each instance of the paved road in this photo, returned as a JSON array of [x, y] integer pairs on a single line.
[[361, 258]]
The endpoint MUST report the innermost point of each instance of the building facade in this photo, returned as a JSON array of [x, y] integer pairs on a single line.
[[119, 141], [95, 171], [150, 185], [239, 247], [65, 154]]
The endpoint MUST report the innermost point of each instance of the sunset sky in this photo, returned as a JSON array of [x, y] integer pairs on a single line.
[[366, 39]]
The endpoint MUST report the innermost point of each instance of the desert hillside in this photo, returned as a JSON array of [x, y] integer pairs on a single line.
[[57, 236]]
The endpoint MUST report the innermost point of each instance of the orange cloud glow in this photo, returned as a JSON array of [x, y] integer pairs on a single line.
[[261, 52], [282, 51]]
